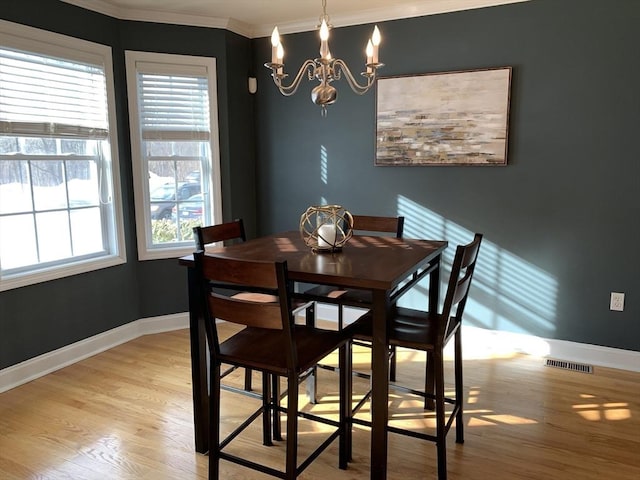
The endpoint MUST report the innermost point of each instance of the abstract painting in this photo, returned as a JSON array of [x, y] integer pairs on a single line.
[[449, 118]]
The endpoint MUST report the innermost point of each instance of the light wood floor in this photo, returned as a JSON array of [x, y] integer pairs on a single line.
[[127, 414]]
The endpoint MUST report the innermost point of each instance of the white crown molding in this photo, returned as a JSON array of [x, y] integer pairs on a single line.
[[98, 6], [390, 12], [478, 343], [155, 16], [229, 24]]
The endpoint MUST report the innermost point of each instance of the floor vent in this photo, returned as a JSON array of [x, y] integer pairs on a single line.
[[576, 367]]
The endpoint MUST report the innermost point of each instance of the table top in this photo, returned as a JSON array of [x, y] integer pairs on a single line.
[[367, 262]]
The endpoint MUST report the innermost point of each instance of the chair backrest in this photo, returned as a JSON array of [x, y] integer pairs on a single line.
[[236, 274], [366, 223], [222, 232], [464, 264]]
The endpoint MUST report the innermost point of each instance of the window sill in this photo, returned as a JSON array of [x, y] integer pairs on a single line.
[[54, 273]]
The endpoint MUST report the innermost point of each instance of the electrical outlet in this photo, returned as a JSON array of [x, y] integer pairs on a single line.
[[617, 302]]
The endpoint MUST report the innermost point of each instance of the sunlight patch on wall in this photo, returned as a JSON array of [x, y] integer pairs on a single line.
[[481, 343], [508, 293], [324, 165]]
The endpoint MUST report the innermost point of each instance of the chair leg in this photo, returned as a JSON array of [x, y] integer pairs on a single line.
[[291, 462], [310, 315], [346, 380], [268, 405], [392, 363], [312, 386], [429, 382], [214, 422], [247, 379], [441, 434], [459, 387], [275, 395], [312, 380]]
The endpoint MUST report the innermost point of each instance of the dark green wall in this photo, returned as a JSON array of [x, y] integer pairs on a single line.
[[40, 318], [561, 221]]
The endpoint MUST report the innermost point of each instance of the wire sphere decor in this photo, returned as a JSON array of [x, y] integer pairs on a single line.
[[326, 228]]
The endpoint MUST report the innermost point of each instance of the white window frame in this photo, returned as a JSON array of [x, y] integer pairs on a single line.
[[146, 249], [52, 44]]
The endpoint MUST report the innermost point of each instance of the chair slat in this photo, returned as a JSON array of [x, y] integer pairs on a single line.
[[367, 223], [219, 233], [243, 312], [225, 270], [462, 287]]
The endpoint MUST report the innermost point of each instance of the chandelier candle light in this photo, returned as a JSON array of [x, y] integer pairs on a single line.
[[325, 69]]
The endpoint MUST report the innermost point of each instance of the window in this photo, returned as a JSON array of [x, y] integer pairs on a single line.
[[174, 143], [59, 184]]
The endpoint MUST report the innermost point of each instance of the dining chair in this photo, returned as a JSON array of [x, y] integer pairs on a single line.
[[431, 332], [229, 233], [269, 343], [362, 224], [326, 294]]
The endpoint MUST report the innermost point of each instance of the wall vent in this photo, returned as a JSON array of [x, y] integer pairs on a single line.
[[576, 367]]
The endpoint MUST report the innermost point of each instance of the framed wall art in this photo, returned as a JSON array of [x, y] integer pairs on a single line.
[[448, 118]]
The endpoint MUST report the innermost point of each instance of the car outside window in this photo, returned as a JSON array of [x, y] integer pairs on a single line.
[[164, 199], [172, 103]]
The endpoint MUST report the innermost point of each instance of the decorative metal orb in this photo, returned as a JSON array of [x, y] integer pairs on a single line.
[[326, 228], [324, 94]]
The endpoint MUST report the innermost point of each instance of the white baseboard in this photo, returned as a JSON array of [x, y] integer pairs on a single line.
[[478, 343], [39, 366], [483, 343], [595, 355], [499, 343]]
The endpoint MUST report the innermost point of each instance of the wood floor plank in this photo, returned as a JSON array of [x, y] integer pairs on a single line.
[[127, 414]]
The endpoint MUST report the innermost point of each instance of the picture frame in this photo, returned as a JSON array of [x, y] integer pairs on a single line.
[[443, 119]]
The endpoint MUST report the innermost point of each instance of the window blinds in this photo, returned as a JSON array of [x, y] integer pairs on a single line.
[[173, 107], [49, 97]]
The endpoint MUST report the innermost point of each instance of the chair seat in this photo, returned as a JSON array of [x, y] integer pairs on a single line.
[[329, 294], [409, 328], [260, 348], [256, 297]]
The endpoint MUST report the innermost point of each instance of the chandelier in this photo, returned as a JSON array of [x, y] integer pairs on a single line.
[[324, 69]]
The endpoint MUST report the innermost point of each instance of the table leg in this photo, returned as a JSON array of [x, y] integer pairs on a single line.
[[434, 286], [379, 387], [198, 365]]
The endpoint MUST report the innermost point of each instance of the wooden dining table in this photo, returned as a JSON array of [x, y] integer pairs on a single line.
[[385, 266]]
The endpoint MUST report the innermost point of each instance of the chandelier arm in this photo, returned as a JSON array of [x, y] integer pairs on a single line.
[[341, 66], [290, 89]]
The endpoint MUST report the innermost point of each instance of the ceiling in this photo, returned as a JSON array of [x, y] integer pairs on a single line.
[[256, 18]]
